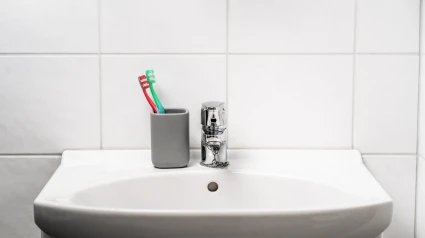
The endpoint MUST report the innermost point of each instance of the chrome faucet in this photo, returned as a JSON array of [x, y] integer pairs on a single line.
[[214, 135]]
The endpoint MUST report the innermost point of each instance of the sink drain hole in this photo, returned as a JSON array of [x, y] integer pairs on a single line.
[[212, 187]]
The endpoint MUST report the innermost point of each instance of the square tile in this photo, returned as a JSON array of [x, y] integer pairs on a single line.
[[397, 175], [22, 179], [420, 199], [386, 88], [306, 26], [388, 26], [48, 104], [181, 81], [290, 101], [167, 26], [48, 26]]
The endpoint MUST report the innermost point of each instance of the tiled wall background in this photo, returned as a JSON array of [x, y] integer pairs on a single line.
[[420, 192], [303, 74]]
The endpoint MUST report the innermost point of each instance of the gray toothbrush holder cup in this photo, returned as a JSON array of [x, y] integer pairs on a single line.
[[170, 138]]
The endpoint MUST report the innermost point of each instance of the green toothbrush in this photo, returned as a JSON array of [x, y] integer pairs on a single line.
[[151, 79]]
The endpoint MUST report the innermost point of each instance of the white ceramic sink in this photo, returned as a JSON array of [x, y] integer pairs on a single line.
[[263, 193]]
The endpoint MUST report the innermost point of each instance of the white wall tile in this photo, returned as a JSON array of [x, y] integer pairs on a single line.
[[422, 30], [386, 88], [420, 193], [291, 26], [46, 26], [388, 26], [290, 101], [22, 178], [420, 199], [163, 26], [181, 81], [48, 103], [397, 175], [421, 129]]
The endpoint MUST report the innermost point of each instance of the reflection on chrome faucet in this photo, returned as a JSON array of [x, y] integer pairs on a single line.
[[214, 135]]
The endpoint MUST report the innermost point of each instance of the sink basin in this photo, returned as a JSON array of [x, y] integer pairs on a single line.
[[263, 193]]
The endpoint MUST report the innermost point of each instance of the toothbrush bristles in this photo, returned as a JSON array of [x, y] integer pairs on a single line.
[[143, 82]]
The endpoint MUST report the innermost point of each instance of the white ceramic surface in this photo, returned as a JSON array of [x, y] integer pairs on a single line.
[[287, 26], [421, 111], [49, 103], [386, 102], [422, 30], [388, 26], [420, 199], [48, 26], [184, 26], [299, 108], [264, 193], [397, 175]]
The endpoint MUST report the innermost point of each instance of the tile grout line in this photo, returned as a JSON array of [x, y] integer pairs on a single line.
[[306, 149], [100, 75], [418, 125], [49, 54], [388, 154], [192, 53], [353, 96], [31, 155]]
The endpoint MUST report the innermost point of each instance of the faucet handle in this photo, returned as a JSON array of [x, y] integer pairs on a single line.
[[213, 114]]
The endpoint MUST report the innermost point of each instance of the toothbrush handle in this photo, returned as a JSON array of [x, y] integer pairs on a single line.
[[156, 99], [161, 108], [151, 103], [159, 105]]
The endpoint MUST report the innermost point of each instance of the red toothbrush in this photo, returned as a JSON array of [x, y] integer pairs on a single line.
[[145, 85]]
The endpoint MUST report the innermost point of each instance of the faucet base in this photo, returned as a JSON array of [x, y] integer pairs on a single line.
[[215, 164]]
